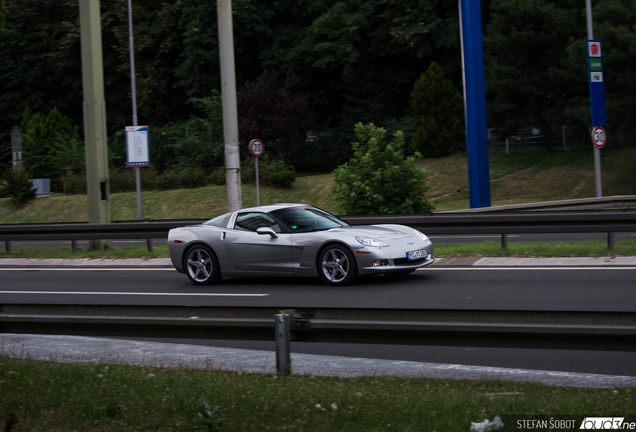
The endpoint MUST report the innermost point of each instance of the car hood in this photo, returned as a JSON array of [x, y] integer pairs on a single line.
[[379, 232]]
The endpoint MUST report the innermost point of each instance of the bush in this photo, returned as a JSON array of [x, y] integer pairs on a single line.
[[379, 179], [283, 179], [50, 144], [182, 178], [266, 169], [4, 188], [218, 176], [121, 179], [73, 184], [19, 187]]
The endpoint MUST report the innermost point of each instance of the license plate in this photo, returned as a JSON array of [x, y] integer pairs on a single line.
[[418, 254]]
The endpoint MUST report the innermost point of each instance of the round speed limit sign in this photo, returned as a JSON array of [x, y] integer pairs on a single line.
[[256, 148], [599, 137]]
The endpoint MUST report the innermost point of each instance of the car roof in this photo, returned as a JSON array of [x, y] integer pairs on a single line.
[[271, 207]]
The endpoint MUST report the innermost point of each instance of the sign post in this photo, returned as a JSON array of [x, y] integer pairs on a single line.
[[597, 93], [138, 155], [257, 148], [475, 103]]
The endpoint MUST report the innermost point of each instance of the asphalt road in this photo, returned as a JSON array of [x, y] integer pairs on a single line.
[[584, 289]]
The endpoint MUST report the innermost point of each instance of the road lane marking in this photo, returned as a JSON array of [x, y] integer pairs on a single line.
[[443, 236], [453, 268], [134, 293], [87, 268]]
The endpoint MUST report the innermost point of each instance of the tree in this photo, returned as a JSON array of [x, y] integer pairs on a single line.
[[379, 179], [274, 112], [530, 80], [50, 144], [2, 18], [437, 108]]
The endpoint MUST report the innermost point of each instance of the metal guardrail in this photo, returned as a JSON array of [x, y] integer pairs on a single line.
[[436, 223], [609, 222], [626, 202], [84, 231], [608, 331]]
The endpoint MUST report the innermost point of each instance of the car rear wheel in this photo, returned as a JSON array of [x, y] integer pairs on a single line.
[[202, 265], [337, 266]]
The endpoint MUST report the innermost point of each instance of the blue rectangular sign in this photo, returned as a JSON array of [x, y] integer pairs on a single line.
[[597, 87]]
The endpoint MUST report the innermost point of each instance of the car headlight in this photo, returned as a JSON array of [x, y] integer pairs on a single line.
[[419, 234], [371, 242]]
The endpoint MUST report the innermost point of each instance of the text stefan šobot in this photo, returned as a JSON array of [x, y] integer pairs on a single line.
[[589, 423]]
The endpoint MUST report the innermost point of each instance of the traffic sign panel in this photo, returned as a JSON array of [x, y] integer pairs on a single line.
[[599, 137], [256, 148]]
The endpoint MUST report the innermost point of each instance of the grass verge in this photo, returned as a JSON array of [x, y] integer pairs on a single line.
[[515, 178], [47, 396], [589, 248], [67, 253]]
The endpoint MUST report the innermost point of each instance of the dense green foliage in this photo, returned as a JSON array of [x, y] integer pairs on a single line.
[[348, 58], [536, 67], [379, 179], [50, 144], [438, 110], [526, 47], [330, 65], [18, 187]]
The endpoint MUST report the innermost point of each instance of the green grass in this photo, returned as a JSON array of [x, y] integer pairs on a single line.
[[587, 248], [66, 252], [47, 396], [533, 177], [515, 178]]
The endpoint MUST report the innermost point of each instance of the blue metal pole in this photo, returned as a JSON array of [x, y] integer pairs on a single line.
[[475, 103]]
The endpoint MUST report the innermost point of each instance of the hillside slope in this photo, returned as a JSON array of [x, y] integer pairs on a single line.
[[515, 178]]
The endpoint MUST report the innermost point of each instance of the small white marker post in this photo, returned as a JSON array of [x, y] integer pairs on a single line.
[[257, 148]]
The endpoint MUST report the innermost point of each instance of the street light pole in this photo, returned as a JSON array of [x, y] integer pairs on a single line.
[[230, 116], [134, 102]]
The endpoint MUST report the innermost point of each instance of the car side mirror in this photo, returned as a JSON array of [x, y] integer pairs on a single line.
[[266, 230]]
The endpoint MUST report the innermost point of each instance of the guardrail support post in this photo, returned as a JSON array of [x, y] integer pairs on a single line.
[[149, 243], [610, 240], [74, 246], [283, 354], [504, 241], [7, 246]]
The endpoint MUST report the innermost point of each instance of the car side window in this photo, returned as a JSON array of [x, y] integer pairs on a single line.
[[252, 221]]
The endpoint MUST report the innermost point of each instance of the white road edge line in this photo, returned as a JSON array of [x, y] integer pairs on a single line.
[[134, 293], [87, 268], [453, 268]]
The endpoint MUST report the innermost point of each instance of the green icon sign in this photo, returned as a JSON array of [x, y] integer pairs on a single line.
[[596, 64]]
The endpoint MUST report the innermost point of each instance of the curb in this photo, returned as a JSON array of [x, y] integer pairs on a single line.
[[90, 263]]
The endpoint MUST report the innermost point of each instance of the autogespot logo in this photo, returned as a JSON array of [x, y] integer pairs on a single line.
[[606, 423]]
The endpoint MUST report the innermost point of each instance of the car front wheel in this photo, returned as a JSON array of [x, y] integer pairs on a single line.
[[337, 266], [202, 265]]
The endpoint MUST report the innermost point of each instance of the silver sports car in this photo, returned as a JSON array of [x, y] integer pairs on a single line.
[[294, 240]]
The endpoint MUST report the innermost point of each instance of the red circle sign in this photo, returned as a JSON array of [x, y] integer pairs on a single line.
[[599, 137], [256, 148]]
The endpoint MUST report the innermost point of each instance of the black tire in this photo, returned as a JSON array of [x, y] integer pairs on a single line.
[[337, 265], [202, 266]]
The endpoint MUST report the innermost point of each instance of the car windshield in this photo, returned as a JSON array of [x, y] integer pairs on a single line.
[[308, 219], [219, 221]]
